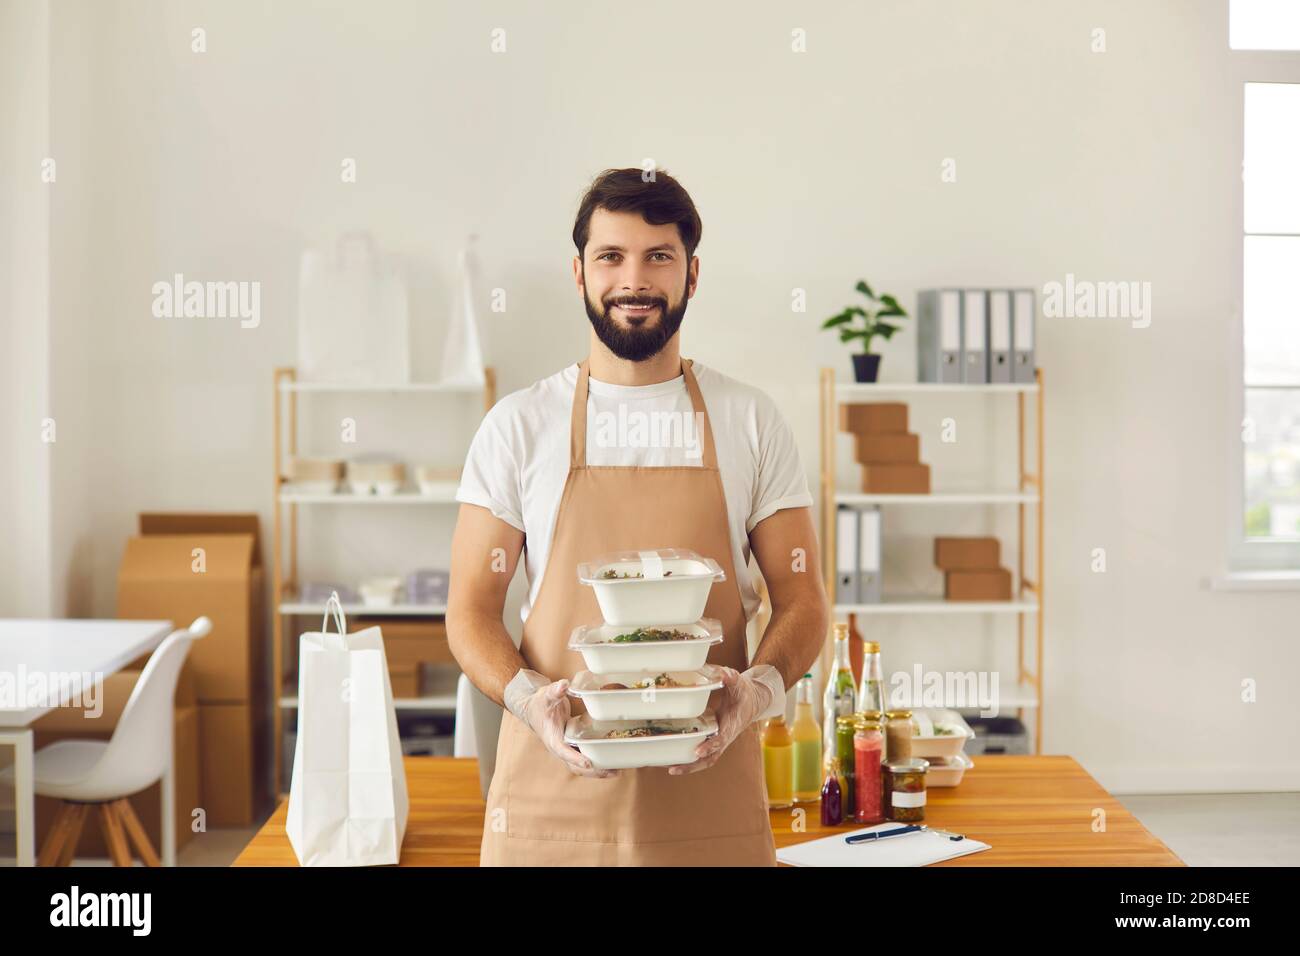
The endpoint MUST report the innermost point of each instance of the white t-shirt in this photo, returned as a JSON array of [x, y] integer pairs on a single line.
[[519, 458]]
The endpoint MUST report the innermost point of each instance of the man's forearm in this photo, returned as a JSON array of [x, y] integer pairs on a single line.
[[793, 638], [484, 650]]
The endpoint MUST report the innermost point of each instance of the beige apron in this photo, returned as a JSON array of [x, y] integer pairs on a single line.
[[538, 812]]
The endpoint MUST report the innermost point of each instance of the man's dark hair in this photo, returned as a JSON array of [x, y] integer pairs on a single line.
[[660, 201]]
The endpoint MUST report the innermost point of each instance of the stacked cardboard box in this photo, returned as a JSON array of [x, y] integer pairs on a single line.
[[410, 645], [889, 454], [182, 566], [970, 569]]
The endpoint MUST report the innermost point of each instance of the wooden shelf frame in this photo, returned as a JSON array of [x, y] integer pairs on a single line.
[[1028, 498], [284, 582]]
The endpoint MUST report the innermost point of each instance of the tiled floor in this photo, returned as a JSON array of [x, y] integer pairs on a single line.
[[1224, 829], [1230, 829]]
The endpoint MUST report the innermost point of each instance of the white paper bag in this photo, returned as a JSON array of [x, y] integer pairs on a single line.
[[347, 796], [353, 318], [462, 355]]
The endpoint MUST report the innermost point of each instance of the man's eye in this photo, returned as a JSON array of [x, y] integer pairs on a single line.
[[605, 255], [664, 254]]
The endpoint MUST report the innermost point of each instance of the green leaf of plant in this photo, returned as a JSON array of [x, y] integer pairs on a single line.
[[837, 320], [865, 289]]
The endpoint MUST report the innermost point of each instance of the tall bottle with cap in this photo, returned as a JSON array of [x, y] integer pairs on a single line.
[[778, 763], [840, 698], [871, 693], [807, 745]]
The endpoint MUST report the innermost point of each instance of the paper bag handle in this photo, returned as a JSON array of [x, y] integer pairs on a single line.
[[340, 618]]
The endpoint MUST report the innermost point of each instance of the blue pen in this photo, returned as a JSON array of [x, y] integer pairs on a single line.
[[898, 831], [881, 834]]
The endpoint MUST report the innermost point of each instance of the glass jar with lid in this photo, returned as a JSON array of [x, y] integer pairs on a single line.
[[898, 734], [905, 789], [868, 747]]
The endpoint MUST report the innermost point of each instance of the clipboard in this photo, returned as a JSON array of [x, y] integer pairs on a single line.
[[910, 849]]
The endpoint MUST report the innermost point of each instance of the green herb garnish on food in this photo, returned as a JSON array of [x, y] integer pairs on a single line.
[[651, 634]]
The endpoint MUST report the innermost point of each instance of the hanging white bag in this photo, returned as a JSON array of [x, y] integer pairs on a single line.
[[462, 354], [347, 796], [353, 317]]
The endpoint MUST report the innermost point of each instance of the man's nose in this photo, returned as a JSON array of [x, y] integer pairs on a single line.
[[635, 278]]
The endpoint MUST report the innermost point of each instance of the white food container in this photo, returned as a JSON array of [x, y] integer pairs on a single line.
[[947, 771], [603, 656], [380, 592], [926, 743], [629, 753], [648, 703], [674, 585]]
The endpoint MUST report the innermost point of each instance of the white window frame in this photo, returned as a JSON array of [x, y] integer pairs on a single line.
[[1246, 555]]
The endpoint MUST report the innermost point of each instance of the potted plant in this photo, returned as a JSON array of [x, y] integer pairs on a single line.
[[866, 365]]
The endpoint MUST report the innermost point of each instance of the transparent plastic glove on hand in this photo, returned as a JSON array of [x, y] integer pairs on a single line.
[[542, 705], [746, 698]]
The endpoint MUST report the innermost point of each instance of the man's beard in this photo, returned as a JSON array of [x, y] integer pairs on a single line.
[[635, 344]]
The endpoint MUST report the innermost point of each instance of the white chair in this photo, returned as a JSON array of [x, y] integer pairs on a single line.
[[83, 773]]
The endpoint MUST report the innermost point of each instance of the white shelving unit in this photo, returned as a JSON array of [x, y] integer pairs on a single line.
[[285, 582], [1027, 605]]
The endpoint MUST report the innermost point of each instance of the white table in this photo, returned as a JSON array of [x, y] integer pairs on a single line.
[[52, 648]]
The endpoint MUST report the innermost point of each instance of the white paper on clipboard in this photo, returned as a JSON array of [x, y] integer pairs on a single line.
[[911, 849]]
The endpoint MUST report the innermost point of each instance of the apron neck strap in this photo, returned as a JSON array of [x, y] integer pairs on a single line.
[[578, 425]]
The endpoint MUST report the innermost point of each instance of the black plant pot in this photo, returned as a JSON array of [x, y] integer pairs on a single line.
[[866, 367]]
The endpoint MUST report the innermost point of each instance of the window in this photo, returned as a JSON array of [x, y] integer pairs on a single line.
[[1264, 526], [1271, 311], [1263, 25]]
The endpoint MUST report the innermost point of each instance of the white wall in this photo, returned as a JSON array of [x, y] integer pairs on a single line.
[[26, 579], [811, 171]]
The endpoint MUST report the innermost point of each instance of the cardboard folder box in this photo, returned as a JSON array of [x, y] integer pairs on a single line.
[[64, 723], [409, 642], [185, 565], [984, 585], [913, 479], [887, 448], [234, 744], [966, 553], [873, 417], [182, 566]]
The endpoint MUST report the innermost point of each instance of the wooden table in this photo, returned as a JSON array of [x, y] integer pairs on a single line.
[[72, 655], [1032, 811]]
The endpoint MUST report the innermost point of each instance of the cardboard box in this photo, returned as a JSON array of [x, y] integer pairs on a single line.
[[888, 448], [985, 585], [896, 479], [410, 641], [405, 679], [966, 554], [873, 417], [183, 566], [234, 744], [65, 723]]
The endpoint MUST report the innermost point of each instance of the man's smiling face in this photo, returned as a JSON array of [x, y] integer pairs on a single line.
[[636, 282]]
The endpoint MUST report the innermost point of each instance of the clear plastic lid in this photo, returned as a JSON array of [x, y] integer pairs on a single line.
[[620, 567], [583, 728], [956, 762], [706, 629], [633, 682]]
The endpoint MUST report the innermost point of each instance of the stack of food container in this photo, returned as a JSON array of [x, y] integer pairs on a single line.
[[647, 683], [939, 737]]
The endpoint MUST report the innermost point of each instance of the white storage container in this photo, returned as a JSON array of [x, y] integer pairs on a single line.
[[629, 753], [648, 587], [602, 654], [947, 771], [645, 702], [927, 742]]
